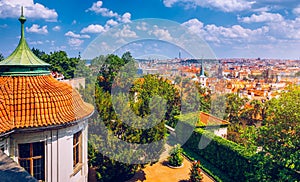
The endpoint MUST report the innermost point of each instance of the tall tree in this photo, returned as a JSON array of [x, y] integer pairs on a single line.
[[280, 136], [1, 57], [114, 108], [234, 105], [38, 52]]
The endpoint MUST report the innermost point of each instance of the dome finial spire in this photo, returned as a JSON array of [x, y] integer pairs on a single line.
[[22, 19]]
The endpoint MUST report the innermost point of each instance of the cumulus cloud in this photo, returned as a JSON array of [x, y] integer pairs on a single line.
[[125, 32], [73, 42], [110, 23], [262, 17], [227, 35], [235, 31], [161, 33], [142, 26], [78, 36], [126, 18], [97, 8], [195, 26], [93, 28], [37, 29], [297, 10], [11, 9], [223, 5], [56, 28], [286, 30]]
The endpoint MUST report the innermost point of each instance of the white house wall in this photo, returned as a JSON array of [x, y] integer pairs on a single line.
[[58, 152], [222, 132]]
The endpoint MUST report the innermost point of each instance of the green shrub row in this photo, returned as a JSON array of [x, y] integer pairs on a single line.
[[227, 156], [232, 159], [206, 166]]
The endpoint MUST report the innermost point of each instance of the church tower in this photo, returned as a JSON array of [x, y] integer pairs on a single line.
[[202, 77]]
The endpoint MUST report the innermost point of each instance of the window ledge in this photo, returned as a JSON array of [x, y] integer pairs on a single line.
[[76, 169]]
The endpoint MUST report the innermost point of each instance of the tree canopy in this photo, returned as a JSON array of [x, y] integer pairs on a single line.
[[146, 99], [59, 62], [1, 57], [280, 136]]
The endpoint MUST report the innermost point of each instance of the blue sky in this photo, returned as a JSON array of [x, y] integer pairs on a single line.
[[232, 28]]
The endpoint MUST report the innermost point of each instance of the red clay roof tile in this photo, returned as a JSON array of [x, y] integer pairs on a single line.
[[36, 101]]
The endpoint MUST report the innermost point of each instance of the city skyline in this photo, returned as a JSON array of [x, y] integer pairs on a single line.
[[233, 29]]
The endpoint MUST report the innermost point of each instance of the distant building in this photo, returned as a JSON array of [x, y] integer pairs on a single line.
[[43, 122], [213, 124]]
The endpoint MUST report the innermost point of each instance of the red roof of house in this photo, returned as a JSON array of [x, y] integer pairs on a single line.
[[210, 120], [38, 101]]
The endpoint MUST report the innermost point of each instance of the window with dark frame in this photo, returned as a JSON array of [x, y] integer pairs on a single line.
[[32, 159], [77, 149]]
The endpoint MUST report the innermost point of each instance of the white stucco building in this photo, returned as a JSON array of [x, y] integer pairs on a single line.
[[43, 122]]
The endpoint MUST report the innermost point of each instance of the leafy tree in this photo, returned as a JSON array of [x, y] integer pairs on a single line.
[[1, 57], [254, 114], [59, 61], [38, 52], [115, 107], [196, 174], [280, 136], [204, 98], [234, 106], [175, 158]]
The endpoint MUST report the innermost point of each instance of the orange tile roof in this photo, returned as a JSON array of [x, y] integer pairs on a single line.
[[38, 101], [210, 120]]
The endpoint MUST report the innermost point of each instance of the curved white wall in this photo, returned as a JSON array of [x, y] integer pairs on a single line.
[[58, 151]]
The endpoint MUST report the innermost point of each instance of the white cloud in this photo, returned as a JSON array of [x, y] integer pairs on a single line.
[[56, 28], [111, 23], [225, 35], [35, 42], [78, 36], [234, 32], [126, 32], [126, 18], [223, 5], [93, 28], [163, 34], [11, 9], [97, 8], [74, 22], [263, 17], [37, 29], [73, 42], [286, 30], [297, 10], [142, 26], [195, 26]]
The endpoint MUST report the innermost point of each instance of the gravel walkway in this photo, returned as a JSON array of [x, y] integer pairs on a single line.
[[160, 172]]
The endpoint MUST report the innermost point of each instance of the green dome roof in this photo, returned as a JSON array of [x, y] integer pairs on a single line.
[[23, 62]]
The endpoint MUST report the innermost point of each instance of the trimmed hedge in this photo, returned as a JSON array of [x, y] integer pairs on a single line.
[[230, 158], [207, 167], [227, 156]]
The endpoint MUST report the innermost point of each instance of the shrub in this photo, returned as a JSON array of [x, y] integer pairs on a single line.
[[175, 158], [196, 173]]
